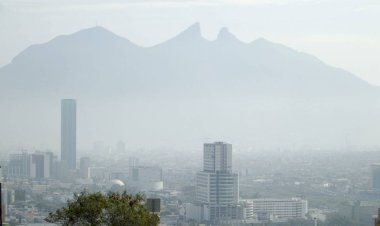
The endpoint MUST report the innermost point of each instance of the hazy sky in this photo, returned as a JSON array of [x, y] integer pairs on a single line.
[[343, 33]]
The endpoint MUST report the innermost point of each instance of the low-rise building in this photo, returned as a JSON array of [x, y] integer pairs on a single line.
[[266, 209]]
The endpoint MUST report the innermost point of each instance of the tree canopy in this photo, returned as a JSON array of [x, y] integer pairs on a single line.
[[112, 209]]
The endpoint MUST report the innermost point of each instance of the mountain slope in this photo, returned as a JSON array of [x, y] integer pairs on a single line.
[[95, 59]]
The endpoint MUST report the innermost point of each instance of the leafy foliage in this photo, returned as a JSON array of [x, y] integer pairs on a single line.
[[338, 220], [113, 209]]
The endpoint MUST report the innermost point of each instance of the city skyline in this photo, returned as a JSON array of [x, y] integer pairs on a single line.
[[190, 112]]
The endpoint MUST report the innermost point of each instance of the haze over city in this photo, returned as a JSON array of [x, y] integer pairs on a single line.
[[220, 112]]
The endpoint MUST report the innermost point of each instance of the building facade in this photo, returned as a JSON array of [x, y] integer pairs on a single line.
[[18, 166], [266, 209], [40, 164]]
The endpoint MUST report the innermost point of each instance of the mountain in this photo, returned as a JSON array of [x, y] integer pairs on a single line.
[[259, 89], [95, 59]]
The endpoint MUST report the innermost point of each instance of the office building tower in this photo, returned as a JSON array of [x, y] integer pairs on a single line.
[[18, 166], [36, 165], [217, 187], [68, 132], [40, 164], [49, 164]]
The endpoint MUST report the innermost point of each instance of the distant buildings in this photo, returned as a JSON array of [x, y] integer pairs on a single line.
[[133, 162], [18, 166], [359, 209], [120, 147], [38, 165], [146, 178], [98, 173], [375, 170], [68, 132], [84, 166]]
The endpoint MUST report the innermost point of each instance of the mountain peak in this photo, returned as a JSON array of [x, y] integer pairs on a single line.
[[190, 34], [224, 32], [96, 34], [96, 31], [194, 31], [225, 35], [96, 28]]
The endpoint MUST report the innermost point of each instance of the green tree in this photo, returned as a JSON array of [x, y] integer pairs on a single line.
[[299, 222], [338, 220], [113, 209]]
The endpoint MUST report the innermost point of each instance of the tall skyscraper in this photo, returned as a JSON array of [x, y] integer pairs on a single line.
[[68, 132], [217, 186]]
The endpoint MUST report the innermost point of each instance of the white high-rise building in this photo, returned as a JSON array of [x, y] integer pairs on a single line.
[[217, 157], [217, 186]]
